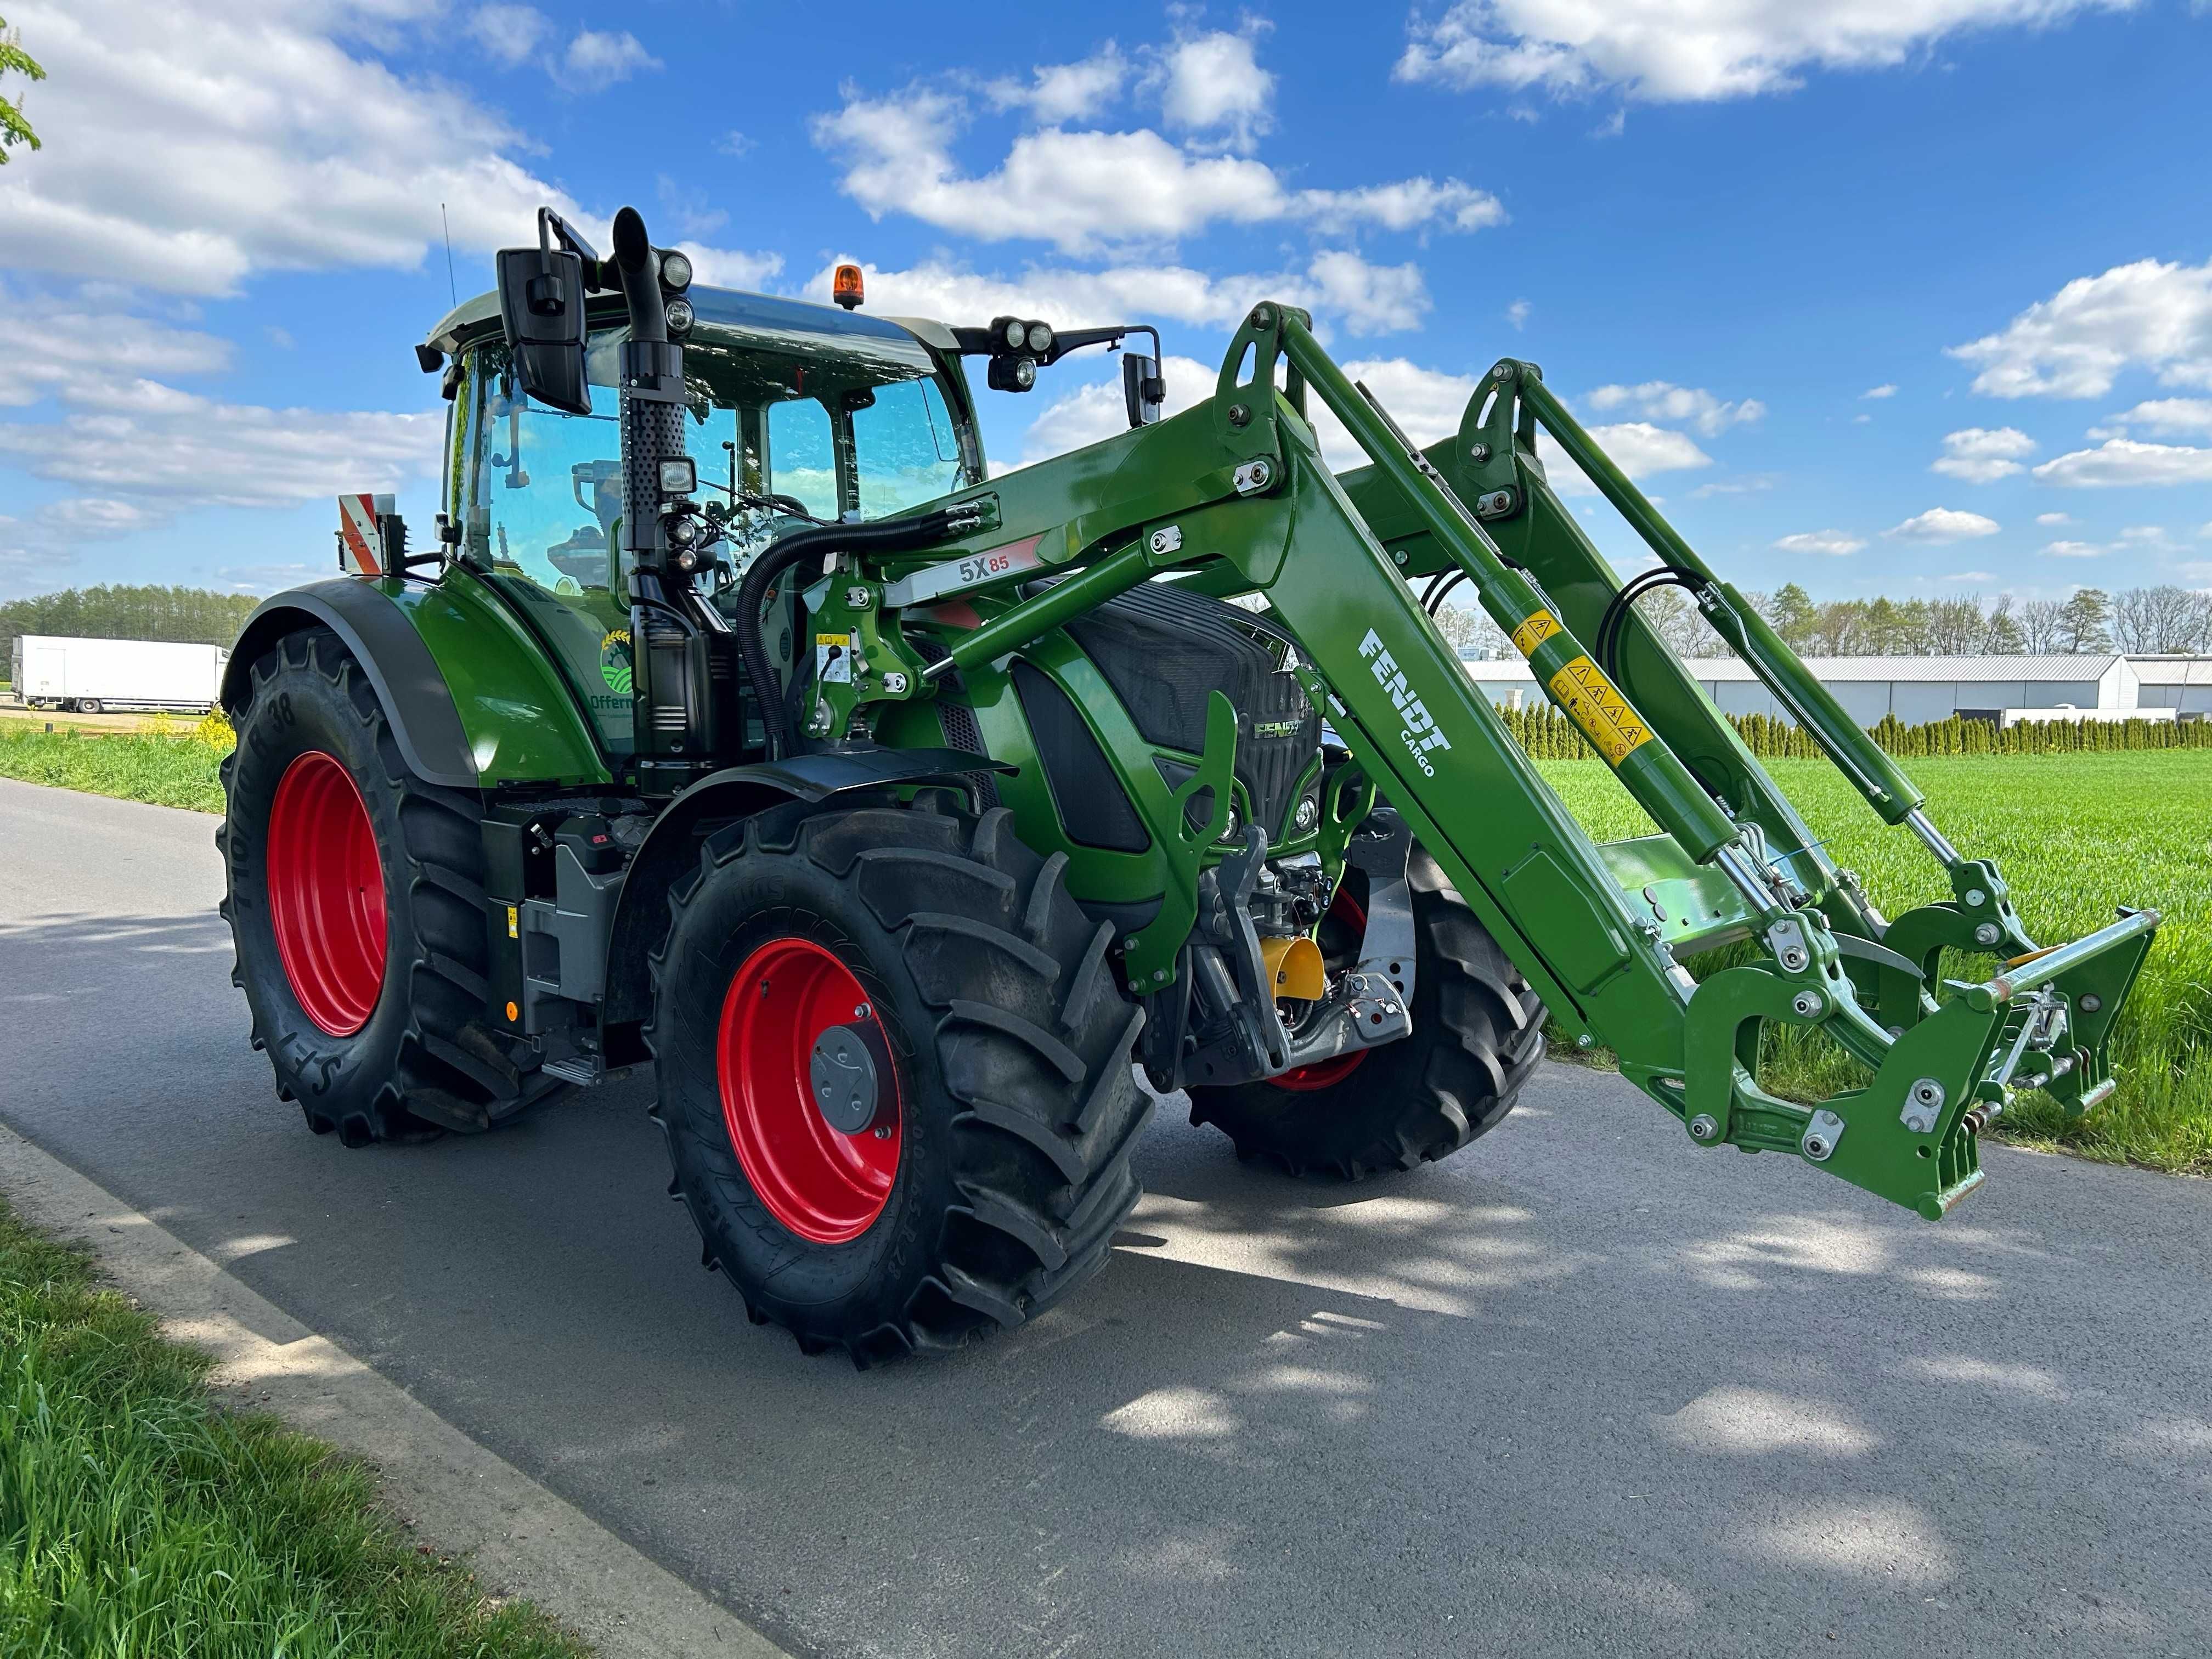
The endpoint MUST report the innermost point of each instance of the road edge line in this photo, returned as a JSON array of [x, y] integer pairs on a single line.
[[517, 1536]]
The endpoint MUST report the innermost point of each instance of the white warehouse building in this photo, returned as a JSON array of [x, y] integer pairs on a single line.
[[1918, 689]]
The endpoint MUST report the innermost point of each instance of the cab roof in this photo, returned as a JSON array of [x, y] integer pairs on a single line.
[[755, 313]]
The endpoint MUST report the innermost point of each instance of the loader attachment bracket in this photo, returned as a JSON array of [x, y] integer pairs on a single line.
[[1910, 1134]]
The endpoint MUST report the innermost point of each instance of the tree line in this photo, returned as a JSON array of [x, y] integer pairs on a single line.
[[2138, 621], [1545, 733], [190, 615]]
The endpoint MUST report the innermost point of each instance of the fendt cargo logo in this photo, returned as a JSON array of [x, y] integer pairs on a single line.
[[1419, 734]]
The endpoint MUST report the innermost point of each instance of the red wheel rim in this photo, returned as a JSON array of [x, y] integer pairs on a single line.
[[826, 1187], [1328, 1073], [326, 893]]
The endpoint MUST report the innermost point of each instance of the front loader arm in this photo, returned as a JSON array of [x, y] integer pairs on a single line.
[[1235, 495]]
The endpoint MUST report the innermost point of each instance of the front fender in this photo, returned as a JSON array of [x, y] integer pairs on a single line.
[[672, 845]]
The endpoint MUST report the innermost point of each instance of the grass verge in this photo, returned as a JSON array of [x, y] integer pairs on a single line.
[[2075, 836], [137, 1516], [168, 770]]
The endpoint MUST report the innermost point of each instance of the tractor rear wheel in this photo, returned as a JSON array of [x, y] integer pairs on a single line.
[[1478, 1033], [971, 1162], [356, 904]]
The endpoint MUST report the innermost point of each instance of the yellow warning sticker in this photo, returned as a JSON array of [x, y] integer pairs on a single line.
[[1533, 631], [1593, 703]]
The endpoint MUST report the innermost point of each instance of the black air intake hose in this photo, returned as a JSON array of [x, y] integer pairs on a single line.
[[892, 536]]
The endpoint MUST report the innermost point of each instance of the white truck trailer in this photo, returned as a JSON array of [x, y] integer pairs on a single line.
[[88, 675]]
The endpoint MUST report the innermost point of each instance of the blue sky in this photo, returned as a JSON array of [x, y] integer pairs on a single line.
[[1910, 296]]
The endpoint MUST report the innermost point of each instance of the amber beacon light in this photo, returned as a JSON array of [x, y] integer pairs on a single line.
[[845, 287]]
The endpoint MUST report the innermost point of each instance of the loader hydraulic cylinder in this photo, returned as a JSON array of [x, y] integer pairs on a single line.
[[1649, 770], [1809, 703]]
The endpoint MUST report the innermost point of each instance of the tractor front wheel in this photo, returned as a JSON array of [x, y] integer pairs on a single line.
[[894, 1073], [1478, 1033], [356, 904]]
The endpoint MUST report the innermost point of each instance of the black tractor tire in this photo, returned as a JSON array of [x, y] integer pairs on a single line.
[[1009, 1039], [1478, 1033], [423, 1059]]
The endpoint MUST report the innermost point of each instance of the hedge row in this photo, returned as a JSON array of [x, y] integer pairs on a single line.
[[1548, 734]]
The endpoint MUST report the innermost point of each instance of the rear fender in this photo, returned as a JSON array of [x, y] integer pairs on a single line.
[[672, 846], [474, 700]]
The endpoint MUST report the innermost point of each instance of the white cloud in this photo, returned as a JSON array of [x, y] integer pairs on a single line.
[[91, 519], [1943, 524], [2149, 314], [188, 145], [1083, 192], [2120, 461], [2048, 518], [1671, 51], [178, 451], [1749, 483], [64, 348], [1368, 298], [146, 450], [509, 34], [1095, 411], [1970, 576], [1659, 400], [1886, 390], [2169, 415], [725, 267], [1983, 454], [1829, 544], [1066, 92], [1407, 204], [1517, 314], [1637, 448], [1213, 83], [599, 58], [2072, 550]]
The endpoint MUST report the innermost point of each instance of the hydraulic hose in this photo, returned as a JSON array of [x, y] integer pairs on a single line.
[[1616, 614], [893, 536]]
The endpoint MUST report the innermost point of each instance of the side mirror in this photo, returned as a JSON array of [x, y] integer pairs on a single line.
[[541, 304], [1142, 389]]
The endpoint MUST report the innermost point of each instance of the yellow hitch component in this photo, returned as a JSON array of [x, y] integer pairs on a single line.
[[1294, 968]]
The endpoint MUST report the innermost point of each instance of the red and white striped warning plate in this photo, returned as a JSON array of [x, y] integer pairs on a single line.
[[360, 543]]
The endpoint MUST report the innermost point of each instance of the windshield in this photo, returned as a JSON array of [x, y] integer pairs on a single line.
[[841, 420]]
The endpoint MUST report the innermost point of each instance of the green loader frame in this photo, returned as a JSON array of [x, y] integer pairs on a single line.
[[1233, 497]]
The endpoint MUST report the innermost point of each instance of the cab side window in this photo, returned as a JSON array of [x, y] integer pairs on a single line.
[[802, 455], [544, 520]]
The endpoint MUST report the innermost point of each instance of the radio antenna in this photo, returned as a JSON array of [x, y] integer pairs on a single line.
[[451, 287]]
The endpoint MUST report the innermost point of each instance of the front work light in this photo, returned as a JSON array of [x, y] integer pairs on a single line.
[[676, 269], [679, 477], [1040, 338], [680, 316], [845, 287]]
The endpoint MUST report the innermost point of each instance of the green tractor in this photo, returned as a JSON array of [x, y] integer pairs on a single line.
[[741, 723]]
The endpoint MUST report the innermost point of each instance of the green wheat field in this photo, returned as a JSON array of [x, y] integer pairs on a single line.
[[2075, 836]]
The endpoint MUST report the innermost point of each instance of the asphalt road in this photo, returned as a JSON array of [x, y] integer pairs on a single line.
[[1581, 1390]]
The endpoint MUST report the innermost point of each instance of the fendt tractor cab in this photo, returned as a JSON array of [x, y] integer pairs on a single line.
[[740, 722]]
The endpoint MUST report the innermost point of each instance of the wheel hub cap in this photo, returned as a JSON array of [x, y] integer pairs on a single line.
[[326, 893], [809, 1096]]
